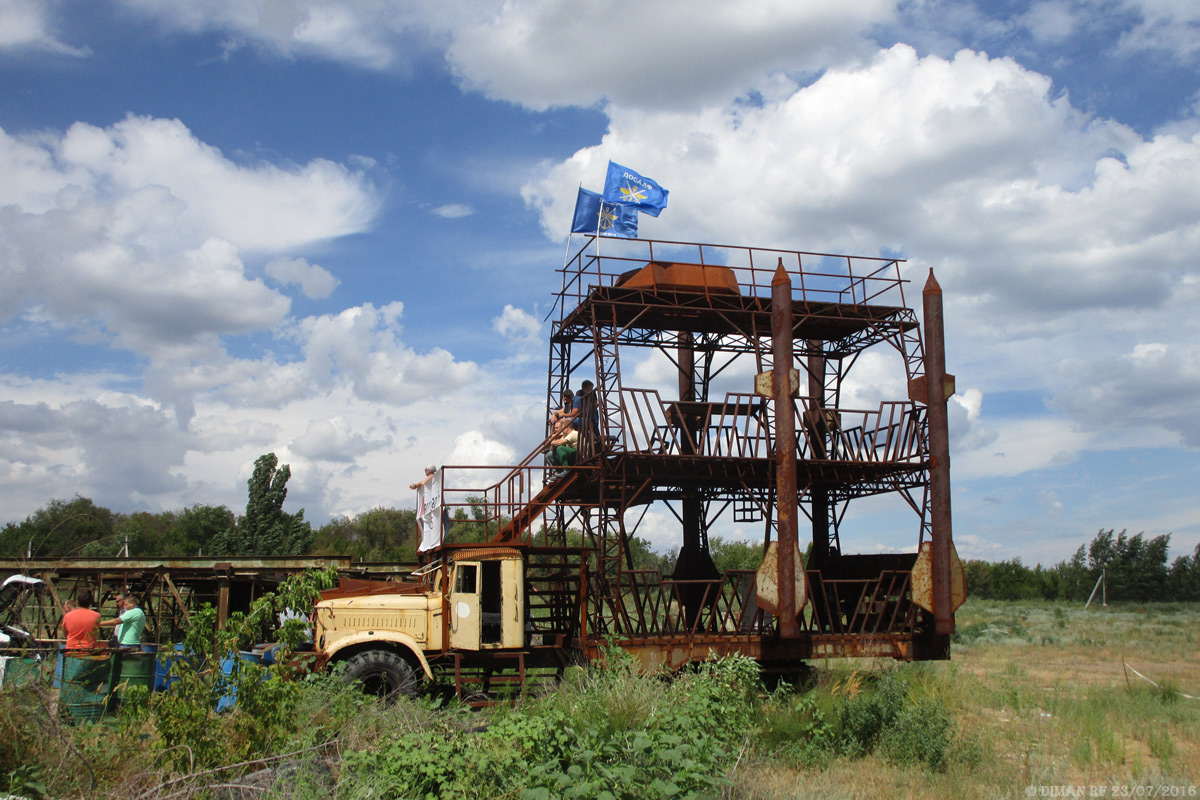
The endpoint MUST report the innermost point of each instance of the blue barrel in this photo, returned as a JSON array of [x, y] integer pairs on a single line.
[[269, 652], [84, 690], [163, 677], [227, 701]]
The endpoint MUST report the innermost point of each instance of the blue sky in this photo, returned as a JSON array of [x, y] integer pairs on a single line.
[[330, 229]]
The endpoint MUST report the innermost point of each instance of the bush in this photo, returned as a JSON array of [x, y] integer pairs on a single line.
[[920, 735], [862, 717], [888, 720], [611, 734]]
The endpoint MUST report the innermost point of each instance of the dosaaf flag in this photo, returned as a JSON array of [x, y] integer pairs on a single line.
[[593, 215], [625, 187]]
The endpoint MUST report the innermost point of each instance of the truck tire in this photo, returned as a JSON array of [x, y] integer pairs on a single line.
[[381, 673]]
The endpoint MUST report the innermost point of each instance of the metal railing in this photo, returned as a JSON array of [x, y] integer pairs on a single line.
[[816, 277], [649, 605], [741, 427]]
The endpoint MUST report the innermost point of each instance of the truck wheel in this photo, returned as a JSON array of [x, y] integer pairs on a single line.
[[381, 673]]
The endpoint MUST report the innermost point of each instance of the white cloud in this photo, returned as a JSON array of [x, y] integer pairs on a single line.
[[907, 151], [972, 546], [967, 431], [114, 449], [316, 282], [649, 54], [333, 440], [454, 211], [1044, 224], [359, 350], [1154, 385], [26, 24], [366, 33], [263, 207], [138, 229], [362, 346], [1020, 446], [1168, 25], [529, 52], [971, 401], [473, 447], [516, 324], [1052, 22], [74, 434]]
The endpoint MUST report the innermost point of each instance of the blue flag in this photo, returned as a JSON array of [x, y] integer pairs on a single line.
[[593, 215], [625, 187]]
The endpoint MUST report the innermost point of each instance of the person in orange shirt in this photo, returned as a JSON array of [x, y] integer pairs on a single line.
[[81, 623]]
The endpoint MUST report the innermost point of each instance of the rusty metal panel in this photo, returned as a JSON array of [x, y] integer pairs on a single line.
[[766, 580], [923, 578]]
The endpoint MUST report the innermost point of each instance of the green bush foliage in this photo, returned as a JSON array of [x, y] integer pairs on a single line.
[[586, 740]]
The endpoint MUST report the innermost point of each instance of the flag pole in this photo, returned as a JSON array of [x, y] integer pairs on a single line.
[[599, 222], [566, 260]]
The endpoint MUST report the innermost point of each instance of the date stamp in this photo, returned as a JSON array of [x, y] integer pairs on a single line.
[[1110, 790]]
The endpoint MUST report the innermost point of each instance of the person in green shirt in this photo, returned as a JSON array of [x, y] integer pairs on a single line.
[[131, 619]]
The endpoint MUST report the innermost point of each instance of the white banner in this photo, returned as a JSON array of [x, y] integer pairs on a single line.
[[430, 514]]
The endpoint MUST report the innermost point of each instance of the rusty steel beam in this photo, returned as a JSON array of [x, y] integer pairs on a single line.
[[785, 448], [817, 491], [182, 564], [939, 455]]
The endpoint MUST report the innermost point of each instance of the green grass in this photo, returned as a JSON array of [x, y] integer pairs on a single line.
[[1035, 694]]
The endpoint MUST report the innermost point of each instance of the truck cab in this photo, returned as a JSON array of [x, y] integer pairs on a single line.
[[487, 603], [391, 634]]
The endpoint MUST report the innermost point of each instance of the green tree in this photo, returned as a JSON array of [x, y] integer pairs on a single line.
[[978, 576], [475, 523], [381, 534], [62, 528], [734, 553], [1183, 581], [195, 530], [266, 529], [1074, 580], [644, 557], [1012, 580], [1135, 568], [141, 531]]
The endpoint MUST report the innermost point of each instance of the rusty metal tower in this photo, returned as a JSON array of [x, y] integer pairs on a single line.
[[731, 410]]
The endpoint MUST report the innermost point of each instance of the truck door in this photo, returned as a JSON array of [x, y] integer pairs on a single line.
[[512, 622], [465, 618], [502, 603]]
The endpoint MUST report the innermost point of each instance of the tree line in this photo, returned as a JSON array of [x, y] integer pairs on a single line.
[[1135, 568], [78, 528]]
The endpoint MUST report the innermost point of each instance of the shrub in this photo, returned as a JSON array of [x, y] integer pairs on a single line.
[[863, 716], [588, 740], [921, 735], [890, 721]]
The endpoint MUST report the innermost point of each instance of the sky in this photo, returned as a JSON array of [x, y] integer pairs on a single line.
[[329, 229]]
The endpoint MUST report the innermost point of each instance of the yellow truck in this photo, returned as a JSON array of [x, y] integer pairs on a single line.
[[476, 613]]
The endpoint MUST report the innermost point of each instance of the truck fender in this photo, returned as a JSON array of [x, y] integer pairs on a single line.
[[391, 637]]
